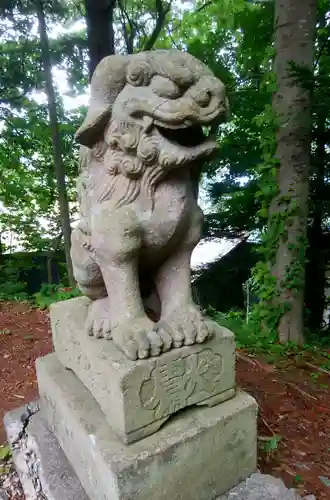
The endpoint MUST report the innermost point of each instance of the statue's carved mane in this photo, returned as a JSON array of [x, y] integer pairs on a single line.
[[130, 160]]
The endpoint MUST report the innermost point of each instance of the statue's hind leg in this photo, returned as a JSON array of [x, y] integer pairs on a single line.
[[90, 281], [86, 271], [180, 317]]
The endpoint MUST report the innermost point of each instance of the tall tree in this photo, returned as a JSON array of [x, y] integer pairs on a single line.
[[115, 26], [318, 234], [100, 30], [295, 25], [56, 139]]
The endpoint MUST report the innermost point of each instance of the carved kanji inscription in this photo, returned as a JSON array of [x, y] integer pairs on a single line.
[[172, 387]]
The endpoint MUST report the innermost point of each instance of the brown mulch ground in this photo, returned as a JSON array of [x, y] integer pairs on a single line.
[[24, 337], [294, 407], [291, 404]]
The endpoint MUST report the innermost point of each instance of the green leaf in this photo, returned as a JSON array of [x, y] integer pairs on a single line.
[[5, 452]]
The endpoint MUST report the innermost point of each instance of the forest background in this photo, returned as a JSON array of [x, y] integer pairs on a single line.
[[267, 189]]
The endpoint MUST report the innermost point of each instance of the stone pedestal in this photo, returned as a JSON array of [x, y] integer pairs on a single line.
[[46, 473], [199, 454], [169, 427], [137, 397]]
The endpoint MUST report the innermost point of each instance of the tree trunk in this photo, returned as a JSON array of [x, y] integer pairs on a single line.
[[295, 25], [56, 140], [316, 266], [49, 261], [1, 250], [100, 32], [50, 255]]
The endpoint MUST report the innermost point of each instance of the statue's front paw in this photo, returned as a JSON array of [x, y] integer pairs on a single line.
[[138, 339], [98, 319], [187, 326]]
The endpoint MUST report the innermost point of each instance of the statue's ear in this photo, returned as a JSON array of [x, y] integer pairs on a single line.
[[92, 128], [108, 81]]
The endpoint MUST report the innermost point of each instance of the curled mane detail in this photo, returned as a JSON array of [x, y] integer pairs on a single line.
[[129, 159]]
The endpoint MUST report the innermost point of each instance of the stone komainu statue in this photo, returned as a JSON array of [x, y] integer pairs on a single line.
[[142, 150]]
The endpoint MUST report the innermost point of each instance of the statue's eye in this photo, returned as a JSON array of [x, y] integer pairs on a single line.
[[163, 87]]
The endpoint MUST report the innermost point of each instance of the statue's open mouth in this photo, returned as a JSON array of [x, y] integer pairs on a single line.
[[188, 129], [185, 143], [186, 137], [186, 134]]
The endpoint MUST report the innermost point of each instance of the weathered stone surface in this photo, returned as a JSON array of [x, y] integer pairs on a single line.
[[23, 450], [263, 487], [42, 467], [3, 495], [138, 396], [61, 483], [199, 454], [142, 151]]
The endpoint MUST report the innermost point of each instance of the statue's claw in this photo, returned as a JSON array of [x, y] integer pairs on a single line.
[[98, 322], [187, 326], [139, 339]]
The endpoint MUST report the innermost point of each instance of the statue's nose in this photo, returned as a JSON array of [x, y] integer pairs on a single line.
[[203, 98], [209, 95]]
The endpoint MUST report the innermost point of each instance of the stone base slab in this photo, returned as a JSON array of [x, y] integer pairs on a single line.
[[43, 469], [199, 454], [49, 476], [137, 397]]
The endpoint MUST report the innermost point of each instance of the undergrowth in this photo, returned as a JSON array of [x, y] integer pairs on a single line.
[[11, 288], [49, 294], [250, 337]]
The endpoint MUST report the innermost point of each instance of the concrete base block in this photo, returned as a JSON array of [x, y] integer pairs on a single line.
[[137, 397], [199, 454], [49, 476], [263, 487], [43, 469]]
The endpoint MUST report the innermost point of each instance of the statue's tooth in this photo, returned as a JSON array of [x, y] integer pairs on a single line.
[[148, 122]]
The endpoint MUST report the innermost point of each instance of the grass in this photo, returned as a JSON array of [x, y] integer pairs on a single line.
[[250, 338]]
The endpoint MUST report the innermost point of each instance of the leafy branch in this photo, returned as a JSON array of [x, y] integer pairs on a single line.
[[129, 34], [162, 10]]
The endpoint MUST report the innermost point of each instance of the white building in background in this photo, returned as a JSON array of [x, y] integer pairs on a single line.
[[3, 209], [207, 252], [204, 253]]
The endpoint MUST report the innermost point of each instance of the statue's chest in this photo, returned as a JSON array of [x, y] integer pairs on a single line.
[[170, 217]]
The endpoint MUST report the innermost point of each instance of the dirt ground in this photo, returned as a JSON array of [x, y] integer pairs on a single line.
[[294, 409]]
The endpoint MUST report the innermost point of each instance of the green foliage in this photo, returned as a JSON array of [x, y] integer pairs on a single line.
[[269, 445], [5, 452], [259, 341], [235, 39], [248, 152], [10, 287], [5, 457], [5, 331], [27, 183], [54, 293], [248, 335], [278, 210]]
